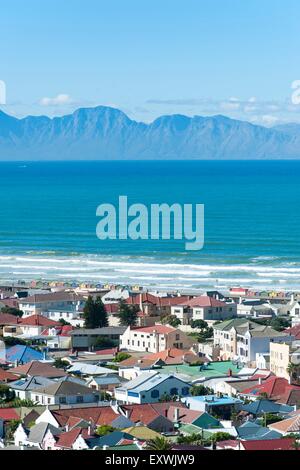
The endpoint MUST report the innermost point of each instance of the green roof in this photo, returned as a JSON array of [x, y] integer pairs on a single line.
[[128, 447], [191, 429], [213, 369], [206, 421]]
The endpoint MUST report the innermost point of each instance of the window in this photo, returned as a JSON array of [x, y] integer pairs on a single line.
[[154, 394], [79, 399], [61, 400], [177, 337], [185, 390], [174, 391]]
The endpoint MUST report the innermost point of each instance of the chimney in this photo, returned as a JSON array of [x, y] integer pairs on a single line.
[[67, 428], [229, 372], [105, 447], [259, 380], [176, 415]]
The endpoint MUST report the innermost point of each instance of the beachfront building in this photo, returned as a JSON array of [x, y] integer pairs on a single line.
[[205, 308], [150, 386], [154, 339], [241, 340]]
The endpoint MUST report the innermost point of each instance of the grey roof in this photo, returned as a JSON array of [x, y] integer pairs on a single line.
[[107, 379], [108, 330], [121, 422], [243, 325], [66, 387], [266, 406], [38, 432], [252, 431], [147, 381], [31, 383]]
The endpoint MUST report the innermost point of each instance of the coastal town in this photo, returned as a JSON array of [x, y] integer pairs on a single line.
[[115, 368]]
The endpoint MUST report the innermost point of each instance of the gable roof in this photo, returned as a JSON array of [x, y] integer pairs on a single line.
[[22, 354], [287, 425], [258, 407], [7, 376], [31, 383], [142, 433], [253, 431], [38, 432], [8, 319], [38, 320], [203, 301], [43, 369], [97, 415], [52, 297], [66, 387], [67, 439]]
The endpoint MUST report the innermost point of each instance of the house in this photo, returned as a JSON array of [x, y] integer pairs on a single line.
[[24, 387], [149, 387], [75, 439], [52, 304], [89, 369], [277, 389], [38, 368], [154, 339], [287, 426], [84, 339], [252, 431], [37, 435], [34, 325], [281, 355], [241, 340], [104, 383], [260, 407], [142, 433], [65, 392], [255, 308], [205, 308], [214, 405], [21, 354]]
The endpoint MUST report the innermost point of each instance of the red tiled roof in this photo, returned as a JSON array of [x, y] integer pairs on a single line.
[[270, 444], [160, 329], [39, 320], [98, 415], [67, 439], [203, 301], [8, 319], [38, 368], [276, 388], [170, 356], [8, 414], [6, 376]]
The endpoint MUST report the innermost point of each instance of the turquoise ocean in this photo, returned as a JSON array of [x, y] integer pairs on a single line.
[[252, 223]]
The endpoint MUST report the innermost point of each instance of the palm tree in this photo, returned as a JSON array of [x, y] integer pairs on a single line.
[[296, 445], [293, 371], [158, 443]]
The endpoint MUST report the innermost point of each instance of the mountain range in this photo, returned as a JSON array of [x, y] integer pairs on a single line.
[[104, 133]]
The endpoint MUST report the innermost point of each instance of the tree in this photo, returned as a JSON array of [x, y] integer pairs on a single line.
[[127, 314], [202, 324], [12, 341], [121, 356], [63, 322], [11, 428], [6, 394], [104, 430], [60, 363], [159, 443], [94, 313], [221, 436], [171, 320], [293, 371], [102, 342], [12, 311], [200, 390]]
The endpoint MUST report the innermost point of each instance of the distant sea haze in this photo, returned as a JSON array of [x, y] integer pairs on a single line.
[[104, 133], [252, 223]]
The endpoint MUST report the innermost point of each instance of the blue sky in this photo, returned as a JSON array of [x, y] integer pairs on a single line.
[[232, 57]]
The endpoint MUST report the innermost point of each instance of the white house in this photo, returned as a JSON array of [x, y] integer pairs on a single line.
[[149, 387], [65, 392], [68, 302], [241, 339], [154, 339]]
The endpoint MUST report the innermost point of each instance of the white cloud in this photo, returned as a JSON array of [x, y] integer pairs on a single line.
[[269, 120], [61, 99]]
